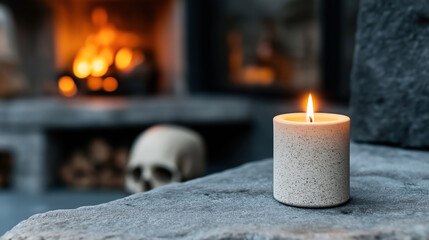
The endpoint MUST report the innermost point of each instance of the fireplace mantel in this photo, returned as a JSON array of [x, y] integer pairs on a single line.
[[44, 113]]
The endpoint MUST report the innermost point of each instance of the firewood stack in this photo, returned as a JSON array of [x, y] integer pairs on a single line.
[[99, 166], [5, 169]]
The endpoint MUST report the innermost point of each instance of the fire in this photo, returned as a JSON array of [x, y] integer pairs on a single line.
[[67, 86], [99, 67], [105, 52], [94, 83], [123, 58], [81, 68], [310, 112], [87, 51], [99, 16], [110, 84], [106, 36]]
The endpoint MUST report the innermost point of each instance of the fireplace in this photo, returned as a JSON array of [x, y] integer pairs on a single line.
[[102, 47], [98, 69], [103, 52], [141, 47]]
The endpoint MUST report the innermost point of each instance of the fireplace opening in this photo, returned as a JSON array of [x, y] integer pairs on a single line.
[[105, 47], [102, 53]]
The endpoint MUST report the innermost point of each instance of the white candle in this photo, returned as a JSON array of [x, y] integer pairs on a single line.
[[311, 159]]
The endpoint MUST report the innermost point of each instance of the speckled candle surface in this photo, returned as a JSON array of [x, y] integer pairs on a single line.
[[311, 160]]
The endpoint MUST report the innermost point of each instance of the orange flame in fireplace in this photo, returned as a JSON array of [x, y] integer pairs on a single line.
[[107, 54], [99, 16], [81, 68], [99, 66], [106, 51], [110, 84], [67, 86], [123, 58], [94, 83]]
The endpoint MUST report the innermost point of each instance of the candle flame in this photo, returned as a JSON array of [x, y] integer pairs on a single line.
[[310, 112]]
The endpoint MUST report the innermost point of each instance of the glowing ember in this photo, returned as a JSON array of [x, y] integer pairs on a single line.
[[81, 69], [310, 112], [106, 36], [94, 83], [88, 51], [110, 84], [107, 54], [99, 67], [67, 87], [123, 58]]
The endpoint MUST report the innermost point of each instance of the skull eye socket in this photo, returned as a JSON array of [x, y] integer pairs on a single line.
[[162, 174], [137, 173]]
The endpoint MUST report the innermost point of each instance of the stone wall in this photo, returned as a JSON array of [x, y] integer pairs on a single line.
[[390, 76]]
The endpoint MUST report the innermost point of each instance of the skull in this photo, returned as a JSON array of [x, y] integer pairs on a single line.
[[164, 154]]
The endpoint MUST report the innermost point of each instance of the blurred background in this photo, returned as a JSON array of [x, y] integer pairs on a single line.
[[81, 79]]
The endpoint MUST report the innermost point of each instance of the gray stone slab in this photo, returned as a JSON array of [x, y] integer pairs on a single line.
[[389, 200], [390, 76], [16, 206]]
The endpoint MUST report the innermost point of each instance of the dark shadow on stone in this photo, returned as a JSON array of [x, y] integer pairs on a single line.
[[327, 207]]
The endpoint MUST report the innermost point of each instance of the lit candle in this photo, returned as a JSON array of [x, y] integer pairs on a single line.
[[311, 158]]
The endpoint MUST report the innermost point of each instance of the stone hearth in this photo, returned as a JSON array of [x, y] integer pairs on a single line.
[[389, 200]]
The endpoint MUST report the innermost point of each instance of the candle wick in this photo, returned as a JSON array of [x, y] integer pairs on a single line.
[[311, 119]]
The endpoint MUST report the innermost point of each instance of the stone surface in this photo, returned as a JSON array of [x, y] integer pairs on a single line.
[[390, 76], [15, 206], [389, 200]]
